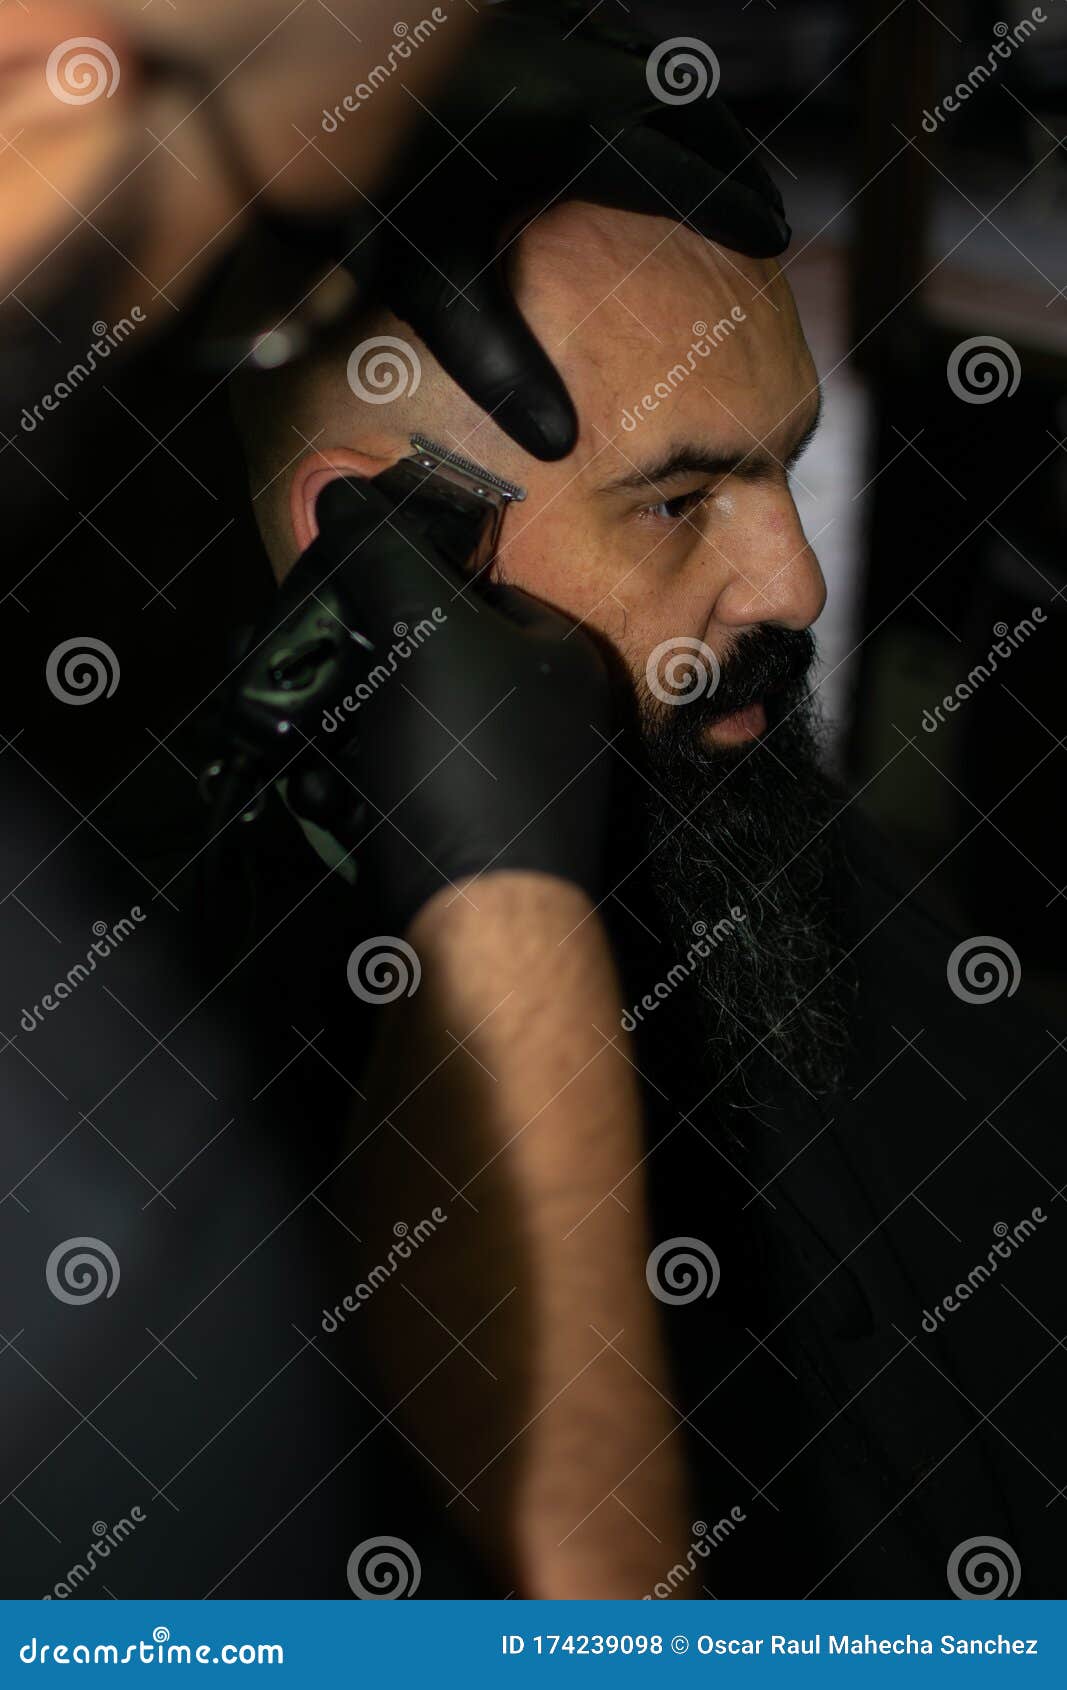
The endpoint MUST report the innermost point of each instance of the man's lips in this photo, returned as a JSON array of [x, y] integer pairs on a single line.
[[743, 725]]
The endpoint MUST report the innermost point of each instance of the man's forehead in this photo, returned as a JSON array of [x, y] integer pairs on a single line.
[[661, 334], [596, 281]]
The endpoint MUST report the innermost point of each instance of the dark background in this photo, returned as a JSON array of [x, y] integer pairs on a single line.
[[935, 519]]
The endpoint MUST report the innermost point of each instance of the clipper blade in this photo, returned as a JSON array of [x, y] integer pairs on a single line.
[[480, 482]]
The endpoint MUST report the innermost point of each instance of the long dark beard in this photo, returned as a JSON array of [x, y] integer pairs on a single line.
[[741, 883]]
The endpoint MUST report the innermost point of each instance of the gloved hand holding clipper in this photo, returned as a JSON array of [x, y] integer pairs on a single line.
[[435, 726], [488, 748]]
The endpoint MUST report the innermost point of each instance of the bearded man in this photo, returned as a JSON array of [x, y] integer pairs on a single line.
[[824, 1149]]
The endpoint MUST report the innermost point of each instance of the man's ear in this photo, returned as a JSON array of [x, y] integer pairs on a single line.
[[314, 472]]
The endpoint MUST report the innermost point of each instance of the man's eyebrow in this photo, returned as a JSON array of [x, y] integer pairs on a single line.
[[694, 459], [807, 434]]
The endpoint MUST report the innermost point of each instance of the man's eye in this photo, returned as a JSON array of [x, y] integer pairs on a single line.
[[674, 510]]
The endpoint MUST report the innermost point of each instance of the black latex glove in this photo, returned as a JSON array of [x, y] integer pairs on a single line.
[[486, 746], [533, 115]]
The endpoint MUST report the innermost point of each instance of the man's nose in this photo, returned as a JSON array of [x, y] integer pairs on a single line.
[[768, 570]]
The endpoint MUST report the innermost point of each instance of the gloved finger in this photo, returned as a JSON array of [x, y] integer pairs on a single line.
[[483, 341], [708, 129]]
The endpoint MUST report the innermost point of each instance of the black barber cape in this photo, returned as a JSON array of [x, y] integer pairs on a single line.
[[865, 1419]]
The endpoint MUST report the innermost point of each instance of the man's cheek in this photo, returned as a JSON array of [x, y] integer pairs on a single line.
[[555, 563], [571, 574]]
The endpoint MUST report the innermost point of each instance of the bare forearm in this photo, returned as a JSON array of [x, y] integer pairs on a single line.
[[509, 1105]]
